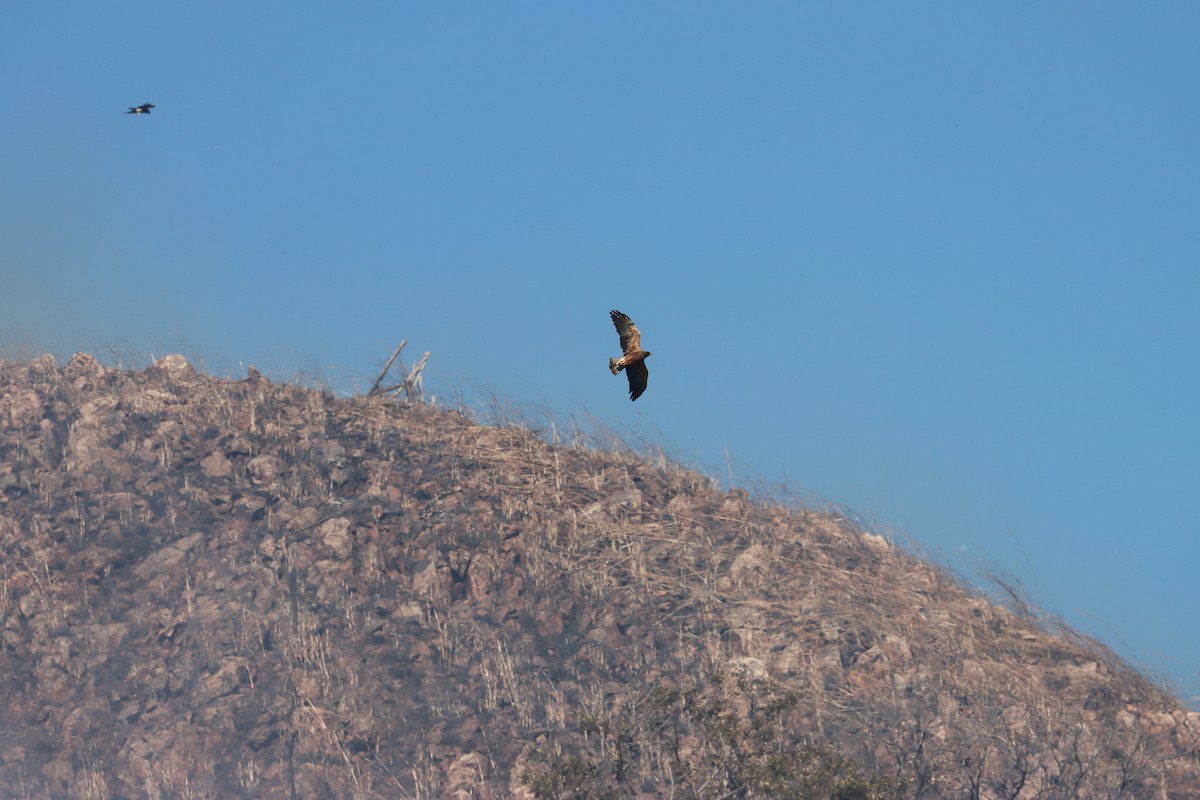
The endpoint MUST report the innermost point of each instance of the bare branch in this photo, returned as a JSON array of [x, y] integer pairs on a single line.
[[375, 386]]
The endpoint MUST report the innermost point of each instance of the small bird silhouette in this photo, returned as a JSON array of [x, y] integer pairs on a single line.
[[144, 108]]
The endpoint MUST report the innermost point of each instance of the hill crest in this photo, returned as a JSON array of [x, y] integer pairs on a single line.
[[241, 588]]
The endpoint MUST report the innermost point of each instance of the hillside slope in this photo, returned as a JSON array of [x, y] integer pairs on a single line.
[[215, 589]]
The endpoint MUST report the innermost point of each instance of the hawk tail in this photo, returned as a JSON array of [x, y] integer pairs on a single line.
[[615, 365]]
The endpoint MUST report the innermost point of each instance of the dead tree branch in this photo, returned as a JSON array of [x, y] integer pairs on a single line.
[[386, 367], [411, 386]]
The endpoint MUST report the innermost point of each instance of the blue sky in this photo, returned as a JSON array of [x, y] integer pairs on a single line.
[[936, 262]]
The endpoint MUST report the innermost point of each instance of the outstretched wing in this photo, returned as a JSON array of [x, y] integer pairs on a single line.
[[639, 376], [631, 340]]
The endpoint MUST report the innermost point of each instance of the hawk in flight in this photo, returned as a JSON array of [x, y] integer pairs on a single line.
[[144, 108], [633, 357]]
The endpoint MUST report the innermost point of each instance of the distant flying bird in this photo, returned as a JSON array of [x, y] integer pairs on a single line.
[[144, 108], [633, 357]]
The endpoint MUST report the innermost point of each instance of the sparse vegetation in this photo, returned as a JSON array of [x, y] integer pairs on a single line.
[[728, 737], [216, 588]]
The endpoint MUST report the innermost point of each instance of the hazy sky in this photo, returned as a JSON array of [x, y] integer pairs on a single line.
[[937, 262]]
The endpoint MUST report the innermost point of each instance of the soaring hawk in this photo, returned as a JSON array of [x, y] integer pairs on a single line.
[[633, 357]]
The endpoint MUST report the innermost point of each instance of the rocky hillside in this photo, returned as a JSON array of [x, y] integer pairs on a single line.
[[241, 589]]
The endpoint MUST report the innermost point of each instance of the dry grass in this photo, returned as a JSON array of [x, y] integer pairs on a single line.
[[243, 588]]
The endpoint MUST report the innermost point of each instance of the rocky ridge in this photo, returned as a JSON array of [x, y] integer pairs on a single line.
[[215, 588]]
